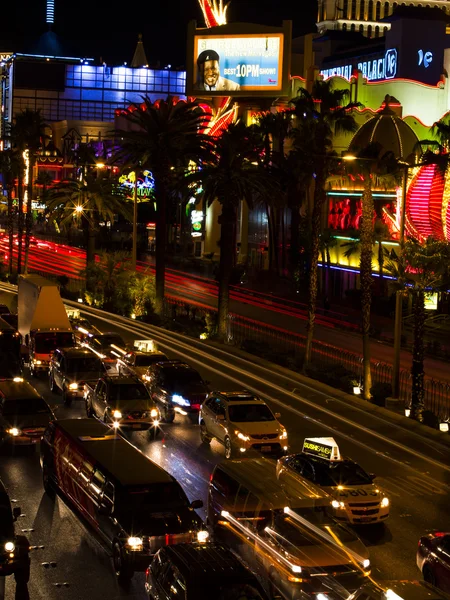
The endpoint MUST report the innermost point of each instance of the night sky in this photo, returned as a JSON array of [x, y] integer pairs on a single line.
[[94, 28]]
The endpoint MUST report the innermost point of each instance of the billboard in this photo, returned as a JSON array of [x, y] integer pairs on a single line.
[[229, 62]]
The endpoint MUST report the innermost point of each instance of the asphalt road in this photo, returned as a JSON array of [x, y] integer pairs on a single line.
[[412, 470]]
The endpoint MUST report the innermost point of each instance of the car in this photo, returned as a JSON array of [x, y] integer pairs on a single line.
[[176, 388], [124, 402], [70, 369], [4, 309], [398, 590], [357, 499], [101, 344], [241, 422], [433, 559], [24, 414], [200, 572], [14, 549], [12, 319], [82, 328], [136, 363]]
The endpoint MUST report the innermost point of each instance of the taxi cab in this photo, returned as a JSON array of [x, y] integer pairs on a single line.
[[356, 498]]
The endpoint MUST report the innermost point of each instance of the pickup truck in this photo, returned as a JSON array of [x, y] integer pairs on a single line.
[[122, 402]]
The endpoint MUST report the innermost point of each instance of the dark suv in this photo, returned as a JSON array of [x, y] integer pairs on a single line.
[[102, 343], [14, 549], [176, 388], [70, 369], [200, 572]]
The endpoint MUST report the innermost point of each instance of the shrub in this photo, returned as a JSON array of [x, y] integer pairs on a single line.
[[380, 391]]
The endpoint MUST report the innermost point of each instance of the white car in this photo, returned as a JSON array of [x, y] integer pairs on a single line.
[[136, 363], [356, 498], [241, 422]]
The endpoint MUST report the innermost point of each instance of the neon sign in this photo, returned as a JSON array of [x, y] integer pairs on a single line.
[[425, 58], [145, 184], [375, 69]]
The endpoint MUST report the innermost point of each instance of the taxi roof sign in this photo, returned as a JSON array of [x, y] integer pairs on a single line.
[[325, 447], [145, 345]]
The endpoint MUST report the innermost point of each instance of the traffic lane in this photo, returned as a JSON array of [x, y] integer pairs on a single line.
[[83, 568]]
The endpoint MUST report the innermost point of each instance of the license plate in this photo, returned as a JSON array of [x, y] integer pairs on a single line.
[[266, 448], [136, 426], [365, 519]]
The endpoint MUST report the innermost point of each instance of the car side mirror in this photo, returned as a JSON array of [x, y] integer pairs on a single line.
[[220, 417], [196, 504], [277, 415], [16, 512]]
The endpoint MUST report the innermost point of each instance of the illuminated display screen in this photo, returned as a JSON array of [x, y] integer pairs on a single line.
[[234, 63]]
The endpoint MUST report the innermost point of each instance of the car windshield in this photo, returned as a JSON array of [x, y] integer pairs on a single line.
[[248, 413], [105, 341], [179, 378], [131, 391], [341, 474], [292, 533], [85, 364], [140, 503], [145, 360], [25, 406], [45, 343]]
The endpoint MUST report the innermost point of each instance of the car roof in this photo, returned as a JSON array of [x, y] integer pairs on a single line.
[[106, 333], [77, 352], [5, 326], [259, 476], [114, 453], [142, 353], [177, 364], [242, 396], [321, 461], [208, 561], [17, 390], [122, 380]]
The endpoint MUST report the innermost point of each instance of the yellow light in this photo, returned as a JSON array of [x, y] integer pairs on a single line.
[[202, 536], [18, 379], [135, 543], [154, 413], [9, 546], [241, 436], [78, 209], [73, 386], [117, 414], [349, 157], [116, 424], [14, 431], [100, 165]]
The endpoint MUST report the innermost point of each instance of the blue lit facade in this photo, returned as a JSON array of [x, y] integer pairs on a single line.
[[73, 90]]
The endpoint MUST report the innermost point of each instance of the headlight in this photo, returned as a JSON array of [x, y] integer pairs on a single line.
[[336, 504], [9, 546], [146, 377], [241, 436], [366, 563], [180, 400], [18, 379], [117, 415], [385, 502], [14, 431], [135, 543], [37, 362], [154, 413], [202, 536], [73, 386], [283, 436]]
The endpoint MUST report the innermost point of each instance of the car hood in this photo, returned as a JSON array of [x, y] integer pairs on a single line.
[[192, 391], [132, 405], [258, 428], [162, 522], [357, 494], [140, 371], [83, 377], [326, 554], [24, 421]]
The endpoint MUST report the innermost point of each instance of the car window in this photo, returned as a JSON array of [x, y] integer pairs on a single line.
[[85, 364], [211, 404], [308, 471], [444, 544], [250, 413], [126, 392]]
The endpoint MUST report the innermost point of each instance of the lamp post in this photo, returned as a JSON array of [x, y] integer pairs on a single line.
[[135, 203]]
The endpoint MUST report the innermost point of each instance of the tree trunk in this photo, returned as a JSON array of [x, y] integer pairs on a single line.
[[319, 201], [295, 236], [283, 240], [417, 370], [160, 242], [19, 222], [270, 227], [328, 279], [29, 215], [227, 223], [381, 266], [366, 281], [10, 232]]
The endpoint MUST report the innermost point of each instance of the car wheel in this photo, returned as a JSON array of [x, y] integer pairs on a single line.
[[428, 575], [228, 448], [206, 439], [46, 482], [123, 570]]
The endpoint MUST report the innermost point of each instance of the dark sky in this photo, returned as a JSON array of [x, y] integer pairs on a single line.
[[96, 28]]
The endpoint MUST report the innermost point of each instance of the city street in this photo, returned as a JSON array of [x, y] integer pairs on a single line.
[[412, 470]]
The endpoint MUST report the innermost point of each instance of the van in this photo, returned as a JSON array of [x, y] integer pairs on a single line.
[[131, 503], [280, 526]]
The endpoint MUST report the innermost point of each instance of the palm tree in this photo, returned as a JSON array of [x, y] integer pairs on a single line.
[[380, 234], [110, 279], [234, 174], [45, 180], [29, 133], [327, 242], [421, 269], [163, 137], [375, 165], [321, 113], [89, 201], [11, 164]]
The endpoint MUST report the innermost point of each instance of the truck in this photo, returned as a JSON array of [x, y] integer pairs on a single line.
[[43, 321], [123, 403]]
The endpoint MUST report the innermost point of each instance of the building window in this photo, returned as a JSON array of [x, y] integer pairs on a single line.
[[387, 10], [353, 27], [361, 29], [370, 12], [378, 11], [377, 31], [369, 31]]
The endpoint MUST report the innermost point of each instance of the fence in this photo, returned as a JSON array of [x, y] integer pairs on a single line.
[[324, 356]]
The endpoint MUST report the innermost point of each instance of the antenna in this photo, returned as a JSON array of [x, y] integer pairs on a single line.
[[50, 12]]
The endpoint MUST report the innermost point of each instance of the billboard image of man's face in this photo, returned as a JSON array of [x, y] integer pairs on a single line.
[[238, 63]]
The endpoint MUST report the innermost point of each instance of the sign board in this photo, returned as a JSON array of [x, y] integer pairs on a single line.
[[322, 448], [431, 301], [373, 68], [239, 59], [145, 184]]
